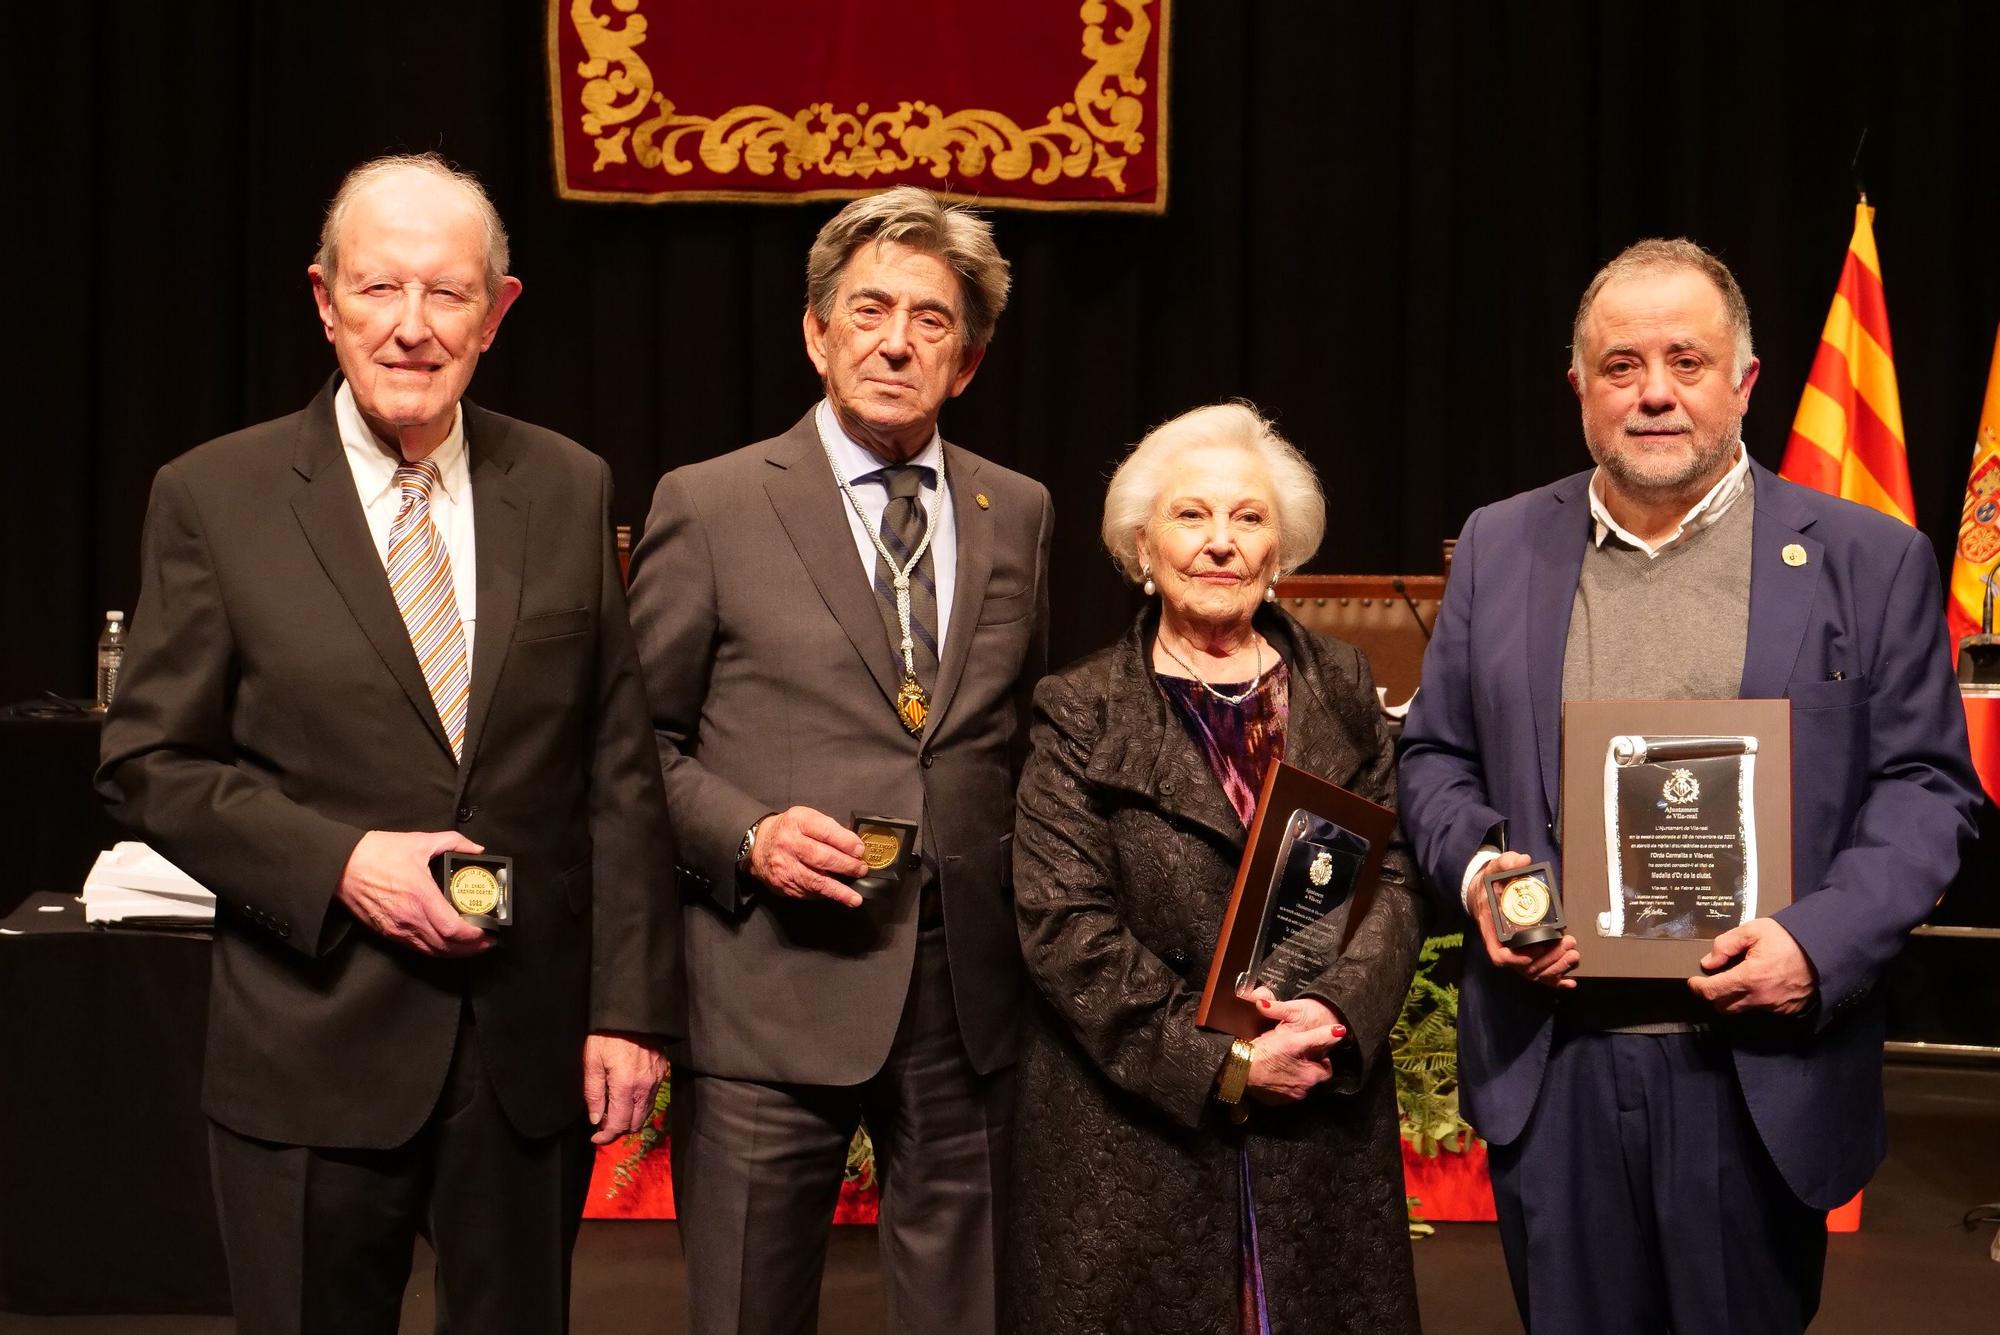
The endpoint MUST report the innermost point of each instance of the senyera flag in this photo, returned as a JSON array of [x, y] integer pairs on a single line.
[[1038, 104], [1847, 439]]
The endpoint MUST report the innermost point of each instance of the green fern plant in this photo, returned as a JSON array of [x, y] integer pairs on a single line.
[[1423, 1048]]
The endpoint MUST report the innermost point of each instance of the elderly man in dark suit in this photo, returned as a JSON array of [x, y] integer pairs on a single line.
[[1664, 1153], [384, 628], [847, 620]]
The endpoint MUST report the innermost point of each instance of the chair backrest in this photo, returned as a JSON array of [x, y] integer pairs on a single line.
[[623, 535]]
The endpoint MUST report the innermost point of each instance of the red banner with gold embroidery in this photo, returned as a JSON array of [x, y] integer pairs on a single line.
[[1041, 104]]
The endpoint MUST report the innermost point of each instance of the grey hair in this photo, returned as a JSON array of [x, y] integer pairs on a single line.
[[431, 164], [1656, 254], [912, 216], [1142, 477]]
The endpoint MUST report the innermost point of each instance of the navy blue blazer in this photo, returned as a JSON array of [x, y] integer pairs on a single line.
[[1883, 790]]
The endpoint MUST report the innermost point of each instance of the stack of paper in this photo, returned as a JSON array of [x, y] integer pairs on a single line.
[[132, 884]]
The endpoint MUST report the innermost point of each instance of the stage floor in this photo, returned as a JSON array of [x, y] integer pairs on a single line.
[[1910, 1268]]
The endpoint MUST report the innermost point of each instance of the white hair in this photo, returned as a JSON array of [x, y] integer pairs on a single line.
[[430, 164], [1143, 476]]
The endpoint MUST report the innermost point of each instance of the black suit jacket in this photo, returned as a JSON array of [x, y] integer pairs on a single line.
[[772, 682], [271, 711]]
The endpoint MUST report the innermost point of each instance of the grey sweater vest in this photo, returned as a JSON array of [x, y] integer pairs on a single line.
[[1668, 627]]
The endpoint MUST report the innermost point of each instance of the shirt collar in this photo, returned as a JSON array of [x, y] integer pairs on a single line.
[[855, 462], [1706, 511], [375, 467]]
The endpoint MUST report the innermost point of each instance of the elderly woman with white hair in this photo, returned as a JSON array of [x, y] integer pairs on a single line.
[[1139, 1202]]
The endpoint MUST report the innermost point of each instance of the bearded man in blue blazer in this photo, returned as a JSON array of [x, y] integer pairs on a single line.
[[1664, 1153]]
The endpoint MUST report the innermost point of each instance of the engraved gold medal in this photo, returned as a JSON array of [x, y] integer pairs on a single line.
[[474, 890], [1524, 902], [880, 850]]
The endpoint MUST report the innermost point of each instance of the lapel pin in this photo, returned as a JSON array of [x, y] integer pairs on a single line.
[[1794, 554], [980, 500]]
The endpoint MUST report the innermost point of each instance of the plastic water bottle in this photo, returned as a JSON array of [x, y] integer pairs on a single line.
[[110, 656]]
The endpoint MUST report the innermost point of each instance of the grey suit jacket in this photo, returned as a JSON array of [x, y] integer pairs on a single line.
[[771, 681], [271, 711]]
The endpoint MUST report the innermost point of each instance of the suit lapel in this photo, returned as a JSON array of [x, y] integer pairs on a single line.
[[809, 504], [499, 540], [329, 511], [1781, 595], [1561, 530], [973, 527]]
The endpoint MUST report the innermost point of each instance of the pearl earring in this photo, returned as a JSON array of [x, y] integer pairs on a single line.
[[1271, 592], [1150, 587]]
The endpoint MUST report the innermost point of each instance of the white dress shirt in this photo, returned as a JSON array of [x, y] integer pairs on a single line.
[[855, 463], [1711, 507], [374, 469]]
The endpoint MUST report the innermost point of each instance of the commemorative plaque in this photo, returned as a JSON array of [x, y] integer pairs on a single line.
[[887, 845], [1676, 827], [480, 887], [1307, 874]]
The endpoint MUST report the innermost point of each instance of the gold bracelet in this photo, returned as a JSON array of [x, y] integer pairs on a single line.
[[1235, 1079]]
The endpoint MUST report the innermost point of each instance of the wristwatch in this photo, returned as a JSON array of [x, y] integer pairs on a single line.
[[1235, 1079], [749, 842]]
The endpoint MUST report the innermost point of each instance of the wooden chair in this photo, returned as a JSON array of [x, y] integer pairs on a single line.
[[1388, 617]]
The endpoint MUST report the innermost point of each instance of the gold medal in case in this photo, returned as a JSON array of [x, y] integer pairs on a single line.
[[888, 845], [480, 887]]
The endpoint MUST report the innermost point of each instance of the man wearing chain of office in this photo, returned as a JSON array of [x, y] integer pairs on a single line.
[[840, 628]]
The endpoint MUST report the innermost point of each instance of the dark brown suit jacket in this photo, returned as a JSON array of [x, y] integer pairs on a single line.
[[271, 711], [771, 680]]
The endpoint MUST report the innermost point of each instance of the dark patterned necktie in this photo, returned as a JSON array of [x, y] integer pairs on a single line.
[[903, 524]]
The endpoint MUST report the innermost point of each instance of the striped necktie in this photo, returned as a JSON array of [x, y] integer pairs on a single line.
[[420, 577]]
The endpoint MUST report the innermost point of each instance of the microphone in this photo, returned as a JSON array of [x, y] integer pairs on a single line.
[[1396, 583]]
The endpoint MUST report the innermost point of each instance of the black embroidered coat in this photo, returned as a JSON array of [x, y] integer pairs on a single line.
[[1125, 1171]]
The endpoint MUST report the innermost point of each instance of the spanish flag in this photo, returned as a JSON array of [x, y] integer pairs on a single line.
[[1847, 439], [1979, 519], [1978, 552]]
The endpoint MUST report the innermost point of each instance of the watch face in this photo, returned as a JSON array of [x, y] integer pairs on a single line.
[[1524, 902]]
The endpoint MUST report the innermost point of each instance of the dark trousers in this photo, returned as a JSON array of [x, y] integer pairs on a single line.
[[1640, 1199], [757, 1170], [319, 1240]]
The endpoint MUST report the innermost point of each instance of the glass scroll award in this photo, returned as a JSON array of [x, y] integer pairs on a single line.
[[1311, 862], [1676, 826], [1306, 906], [1680, 833]]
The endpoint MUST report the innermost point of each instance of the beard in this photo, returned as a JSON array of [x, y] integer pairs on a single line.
[[1689, 464]]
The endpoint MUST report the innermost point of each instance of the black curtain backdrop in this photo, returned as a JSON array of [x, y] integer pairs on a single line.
[[1381, 216]]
